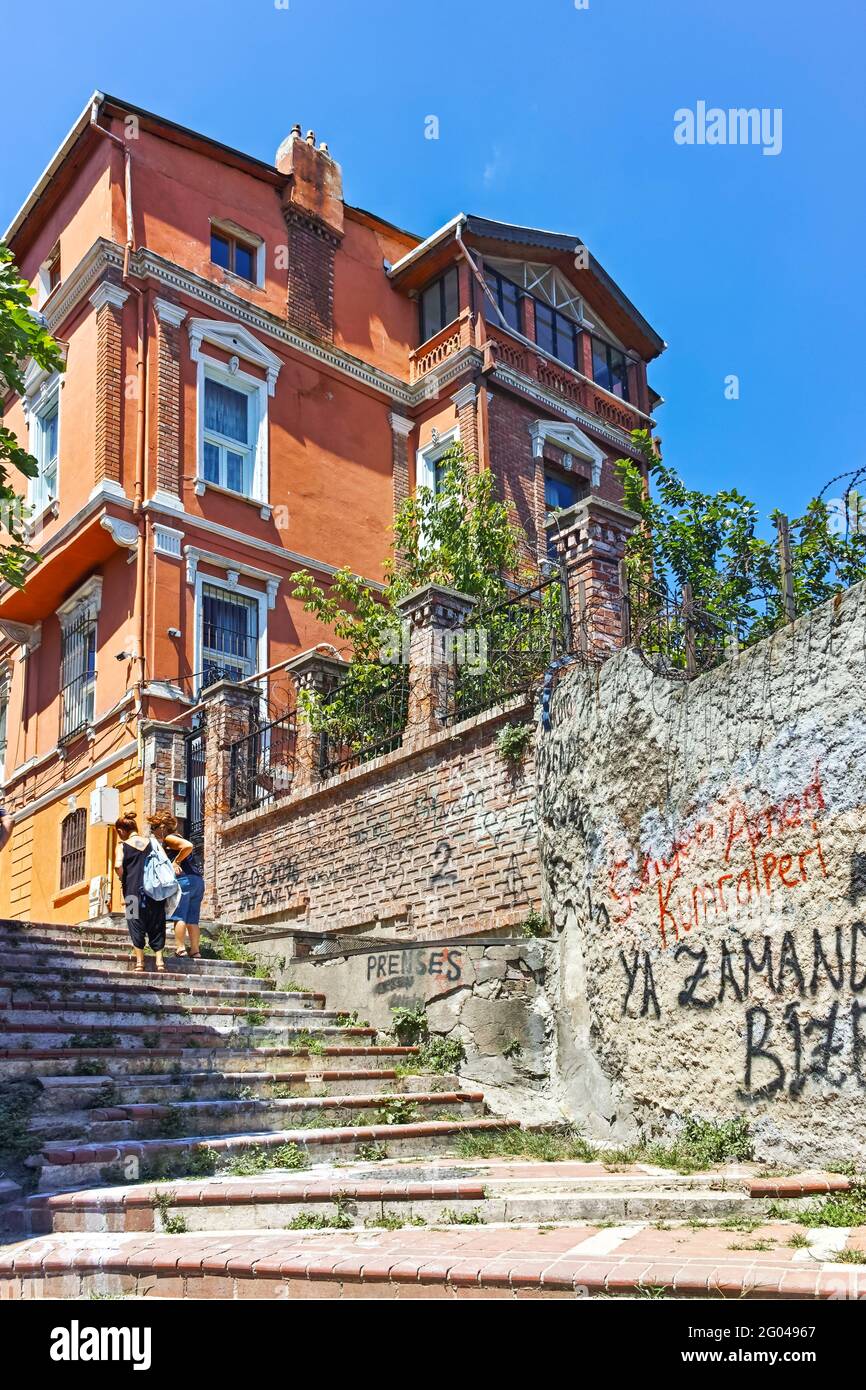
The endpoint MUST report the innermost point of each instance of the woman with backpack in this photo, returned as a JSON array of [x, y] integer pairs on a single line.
[[148, 880]]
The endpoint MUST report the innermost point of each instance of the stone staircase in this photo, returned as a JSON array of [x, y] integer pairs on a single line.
[[203, 1134]]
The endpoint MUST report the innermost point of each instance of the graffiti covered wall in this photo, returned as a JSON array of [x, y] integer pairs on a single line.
[[704, 855]]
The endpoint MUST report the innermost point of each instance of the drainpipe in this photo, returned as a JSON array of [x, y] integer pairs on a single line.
[[138, 619]]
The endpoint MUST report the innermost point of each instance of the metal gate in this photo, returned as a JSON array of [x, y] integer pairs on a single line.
[[195, 784]]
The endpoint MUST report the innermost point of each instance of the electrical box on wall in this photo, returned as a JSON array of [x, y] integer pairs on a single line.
[[104, 806]]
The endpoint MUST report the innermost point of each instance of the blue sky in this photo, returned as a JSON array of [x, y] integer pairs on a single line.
[[747, 264]]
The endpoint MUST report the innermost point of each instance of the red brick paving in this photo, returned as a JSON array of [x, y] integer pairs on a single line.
[[487, 1260]]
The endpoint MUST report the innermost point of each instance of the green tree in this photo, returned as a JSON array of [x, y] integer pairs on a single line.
[[711, 541], [459, 536], [22, 338]]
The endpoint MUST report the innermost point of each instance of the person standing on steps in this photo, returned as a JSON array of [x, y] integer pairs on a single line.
[[145, 916], [190, 877]]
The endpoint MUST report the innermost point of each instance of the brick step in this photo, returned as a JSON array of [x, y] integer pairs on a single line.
[[79, 1013], [64, 1166], [42, 980], [107, 1124], [278, 1062], [154, 1036], [180, 975], [233, 1204], [121, 962], [243, 1203], [495, 1261], [65, 1093]]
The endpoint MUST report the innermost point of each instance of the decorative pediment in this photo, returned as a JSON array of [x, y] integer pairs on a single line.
[[565, 435], [237, 341]]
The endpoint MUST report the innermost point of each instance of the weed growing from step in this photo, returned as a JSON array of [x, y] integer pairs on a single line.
[[388, 1222], [798, 1241], [307, 1221], [18, 1099], [840, 1209], [259, 1160], [226, 946], [372, 1153], [305, 1041], [351, 1020], [753, 1245], [86, 1066], [396, 1111], [410, 1026], [513, 1050], [441, 1055], [549, 1145], [99, 1037], [168, 1126], [171, 1225], [449, 1216], [850, 1257], [534, 925]]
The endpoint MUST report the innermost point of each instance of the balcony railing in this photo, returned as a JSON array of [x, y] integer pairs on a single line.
[[444, 344], [559, 378]]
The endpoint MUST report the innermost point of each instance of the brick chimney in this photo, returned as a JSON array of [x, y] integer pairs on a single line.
[[313, 209]]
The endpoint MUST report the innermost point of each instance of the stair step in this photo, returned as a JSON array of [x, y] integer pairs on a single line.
[[121, 962], [60, 1061], [111, 1123], [76, 1164], [42, 983], [61, 1094], [153, 1035], [290, 1015]]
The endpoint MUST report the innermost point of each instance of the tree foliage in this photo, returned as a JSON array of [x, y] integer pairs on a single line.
[[711, 541], [459, 536], [22, 338]]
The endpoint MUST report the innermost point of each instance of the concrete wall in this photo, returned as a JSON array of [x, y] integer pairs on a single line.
[[496, 999], [440, 837], [704, 854]]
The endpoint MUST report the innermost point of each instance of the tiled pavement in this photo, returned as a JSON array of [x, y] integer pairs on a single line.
[[485, 1261]]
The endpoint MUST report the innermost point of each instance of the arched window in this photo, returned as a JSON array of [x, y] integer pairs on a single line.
[[73, 838]]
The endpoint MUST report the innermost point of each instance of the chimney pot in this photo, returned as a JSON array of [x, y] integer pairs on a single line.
[[311, 137]]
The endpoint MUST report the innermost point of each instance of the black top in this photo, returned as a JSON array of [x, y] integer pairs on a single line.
[[132, 869], [192, 864]]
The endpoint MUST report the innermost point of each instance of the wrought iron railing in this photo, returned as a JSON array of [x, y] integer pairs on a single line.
[[78, 675], [364, 719], [515, 642], [672, 634], [262, 765]]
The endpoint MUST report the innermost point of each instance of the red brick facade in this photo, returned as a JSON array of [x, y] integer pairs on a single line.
[[108, 300]]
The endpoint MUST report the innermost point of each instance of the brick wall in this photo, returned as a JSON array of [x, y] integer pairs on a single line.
[[441, 837], [521, 477], [108, 301], [310, 302]]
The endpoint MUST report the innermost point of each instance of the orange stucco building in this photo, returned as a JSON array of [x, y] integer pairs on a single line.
[[256, 375]]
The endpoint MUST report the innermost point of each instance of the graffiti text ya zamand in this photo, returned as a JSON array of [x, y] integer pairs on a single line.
[[730, 972], [733, 857]]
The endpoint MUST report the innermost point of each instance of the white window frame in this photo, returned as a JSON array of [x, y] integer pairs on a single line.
[[42, 399], [232, 586], [429, 455], [256, 393], [239, 343]]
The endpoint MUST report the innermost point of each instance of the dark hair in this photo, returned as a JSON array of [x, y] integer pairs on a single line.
[[127, 824]]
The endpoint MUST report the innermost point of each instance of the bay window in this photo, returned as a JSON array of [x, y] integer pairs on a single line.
[[507, 296]]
